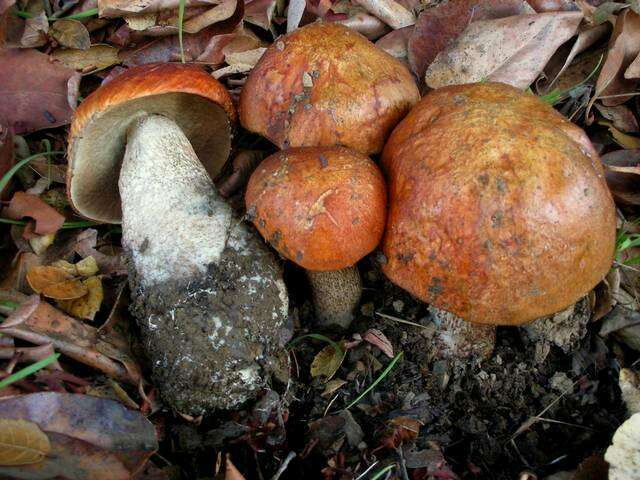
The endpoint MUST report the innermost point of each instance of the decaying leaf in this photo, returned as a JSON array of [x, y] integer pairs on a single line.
[[399, 431], [47, 218], [219, 13], [84, 268], [36, 93], [395, 43], [22, 442], [623, 455], [88, 305], [117, 8], [512, 50], [55, 283], [326, 363], [244, 163], [622, 172], [390, 12], [621, 116], [377, 338], [332, 386], [368, 25], [71, 34], [437, 27], [624, 47], [35, 31], [260, 13], [97, 57], [90, 437]]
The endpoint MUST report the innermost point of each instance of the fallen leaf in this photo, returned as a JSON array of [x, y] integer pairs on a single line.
[[231, 472], [118, 8], [260, 13], [395, 43], [55, 283], [368, 25], [399, 431], [244, 163], [22, 443], [249, 57], [332, 386], [87, 306], [219, 13], [96, 58], [108, 352], [84, 268], [623, 48], [35, 31], [511, 50], [91, 438], [624, 324], [141, 21], [85, 244], [390, 12], [71, 34], [36, 93], [621, 116], [47, 218], [377, 338], [40, 243], [553, 5], [232, 70], [624, 184], [437, 27], [624, 140], [326, 363]]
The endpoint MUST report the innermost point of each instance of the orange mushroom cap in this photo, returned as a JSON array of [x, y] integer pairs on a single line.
[[197, 102], [324, 208], [498, 208], [324, 85]]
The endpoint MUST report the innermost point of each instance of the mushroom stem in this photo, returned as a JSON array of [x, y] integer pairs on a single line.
[[335, 295], [456, 338]]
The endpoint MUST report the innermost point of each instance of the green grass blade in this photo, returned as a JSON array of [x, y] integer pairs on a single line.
[[31, 369], [6, 178], [180, 22], [381, 472], [384, 373], [9, 304], [65, 225], [92, 12]]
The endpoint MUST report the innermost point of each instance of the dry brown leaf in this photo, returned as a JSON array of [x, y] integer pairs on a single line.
[[118, 8], [97, 57], [244, 163], [332, 386], [377, 338], [512, 50], [621, 116], [141, 22], [437, 27], [395, 43], [55, 283], [326, 363], [217, 14], [368, 25], [390, 12], [40, 243], [87, 306], [47, 218], [22, 442], [625, 184], [35, 31], [624, 140], [553, 5], [91, 438], [86, 267], [624, 47], [260, 13], [71, 34], [249, 57], [36, 93]]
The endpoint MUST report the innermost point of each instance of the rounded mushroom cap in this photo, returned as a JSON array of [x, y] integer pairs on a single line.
[[197, 102], [324, 208], [498, 208], [324, 85]]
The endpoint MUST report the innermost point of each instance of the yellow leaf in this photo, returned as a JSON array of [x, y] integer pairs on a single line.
[[55, 283], [87, 267], [98, 57], [22, 442], [624, 140], [332, 386], [71, 34], [326, 363], [85, 307]]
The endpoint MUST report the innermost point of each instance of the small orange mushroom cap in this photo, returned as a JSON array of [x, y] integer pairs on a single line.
[[324, 208], [498, 208], [186, 94], [324, 85]]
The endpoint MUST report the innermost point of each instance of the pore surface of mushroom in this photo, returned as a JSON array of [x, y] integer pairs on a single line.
[[323, 208], [499, 211], [207, 293], [326, 85]]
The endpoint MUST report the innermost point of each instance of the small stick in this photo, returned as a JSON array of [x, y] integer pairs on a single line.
[[389, 11]]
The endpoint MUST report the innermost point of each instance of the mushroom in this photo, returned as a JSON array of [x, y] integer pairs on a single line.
[[323, 208], [207, 293], [498, 208], [324, 85], [623, 455]]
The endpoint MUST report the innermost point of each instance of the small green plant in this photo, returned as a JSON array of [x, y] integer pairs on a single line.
[[625, 241], [180, 27], [92, 12], [556, 95], [381, 377]]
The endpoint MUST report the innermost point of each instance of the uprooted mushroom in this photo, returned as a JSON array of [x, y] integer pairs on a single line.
[[207, 293], [498, 209], [323, 208]]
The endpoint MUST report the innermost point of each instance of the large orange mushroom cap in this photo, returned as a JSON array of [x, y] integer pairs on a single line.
[[195, 101], [324, 85], [499, 211], [323, 208]]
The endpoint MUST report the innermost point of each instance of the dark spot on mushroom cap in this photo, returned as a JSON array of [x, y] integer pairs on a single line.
[[355, 221], [323, 161], [251, 213], [501, 184], [298, 256], [261, 222], [275, 238], [497, 219], [405, 257], [381, 258], [483, 179], [436, 288]]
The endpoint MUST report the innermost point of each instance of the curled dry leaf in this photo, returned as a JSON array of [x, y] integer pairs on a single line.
[[438, 26], [55, 283], [118, 8], [90, 437], [624, 47], [621, 116], [399, 431], [35, 31], [512, 50], [36, 93], [244, 163], [622, 172], [389, 11], [553, 5], [84, 268], [377, 338], [22, 442], [88, 305], [217, 14], [326, 363], [368, 25], [260, 13], [47, 218], [71, 34], [97, 57]]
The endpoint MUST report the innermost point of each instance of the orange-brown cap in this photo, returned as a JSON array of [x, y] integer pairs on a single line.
[[197, 102], [324, 85], [498, 208], [322, 207]]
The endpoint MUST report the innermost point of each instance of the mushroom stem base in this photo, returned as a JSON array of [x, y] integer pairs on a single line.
[[335, 295], [456, 338]]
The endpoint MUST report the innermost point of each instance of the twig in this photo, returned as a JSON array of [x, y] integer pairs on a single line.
[[400, 320], [368, 469], [284, 465]]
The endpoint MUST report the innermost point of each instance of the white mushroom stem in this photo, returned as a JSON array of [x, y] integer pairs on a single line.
[[457, 338], [335, 295], [174, 224]]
